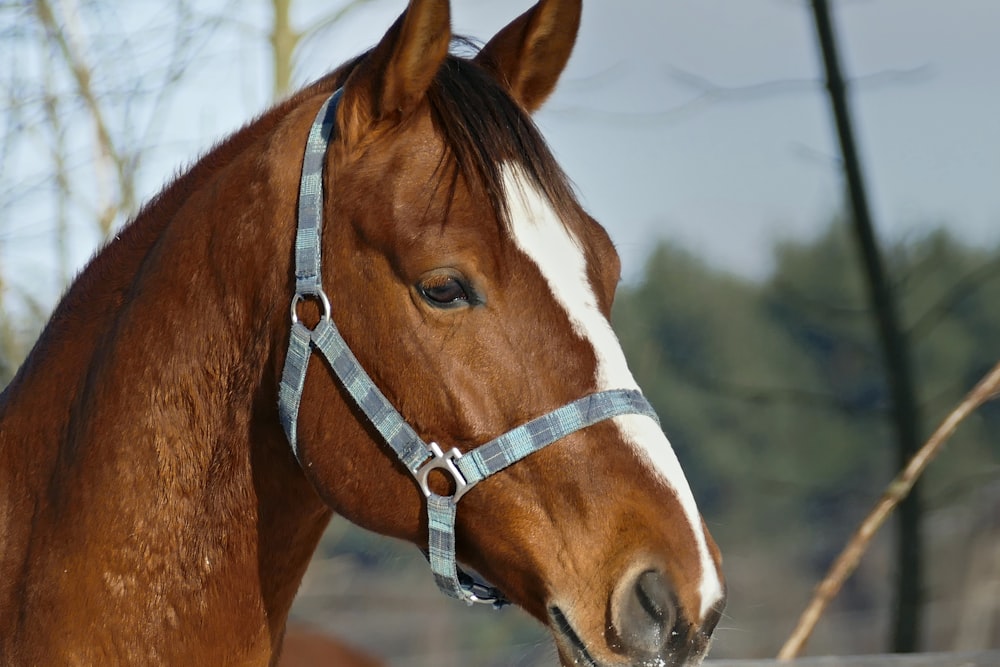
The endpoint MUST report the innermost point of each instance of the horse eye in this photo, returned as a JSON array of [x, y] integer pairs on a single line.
[[443, 290]]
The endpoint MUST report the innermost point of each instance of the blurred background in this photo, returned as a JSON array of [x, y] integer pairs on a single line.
[[699, 133]]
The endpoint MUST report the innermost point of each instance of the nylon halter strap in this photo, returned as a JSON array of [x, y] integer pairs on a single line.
[[418, 457]]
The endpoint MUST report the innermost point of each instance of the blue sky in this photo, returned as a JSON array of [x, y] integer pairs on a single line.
[[725, 174], [729, 179], [652, 156]]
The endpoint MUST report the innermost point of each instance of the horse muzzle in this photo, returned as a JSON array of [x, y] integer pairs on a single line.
[[644, 626]]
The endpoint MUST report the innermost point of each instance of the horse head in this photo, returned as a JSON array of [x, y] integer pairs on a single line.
[[475, 291]]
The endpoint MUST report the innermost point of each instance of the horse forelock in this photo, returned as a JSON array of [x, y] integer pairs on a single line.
[[484, 129]]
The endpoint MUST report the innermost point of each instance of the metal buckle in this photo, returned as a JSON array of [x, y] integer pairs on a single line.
[[444, 461], [480, 592], [319, 295]]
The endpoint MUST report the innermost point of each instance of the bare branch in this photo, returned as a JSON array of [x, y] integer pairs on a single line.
[[317, 28], [987, 389], [711, 94], [333, 18], [182, 55], [81, 73], [63, 195]]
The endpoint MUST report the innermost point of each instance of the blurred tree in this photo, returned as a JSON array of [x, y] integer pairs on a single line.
[[773, 395], [742, 379], [82, 114], [284, 39]]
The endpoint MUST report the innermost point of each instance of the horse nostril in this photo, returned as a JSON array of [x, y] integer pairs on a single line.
[[645, 615]]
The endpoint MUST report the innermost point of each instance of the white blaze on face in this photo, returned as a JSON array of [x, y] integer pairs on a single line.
[[540, 234]]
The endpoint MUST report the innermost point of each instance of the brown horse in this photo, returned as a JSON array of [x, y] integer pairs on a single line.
[[305, 647], [151, 508]]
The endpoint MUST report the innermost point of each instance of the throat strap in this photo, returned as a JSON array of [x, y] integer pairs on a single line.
[[417, 456]]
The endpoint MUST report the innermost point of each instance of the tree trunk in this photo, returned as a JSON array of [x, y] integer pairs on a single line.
[[894, 345]]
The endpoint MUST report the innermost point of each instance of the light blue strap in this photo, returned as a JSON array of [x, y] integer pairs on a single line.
[[293, 378], [410, 449], [536, 434], [310, 225], [441, 546], [307, 266], [510, 448], [325, 337]]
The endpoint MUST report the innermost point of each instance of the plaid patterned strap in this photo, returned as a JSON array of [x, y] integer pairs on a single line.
[[398, 434], [441, 545], [325, 337], [293, 378], [310, 220], [536, 434], [410, 448], [501, 452]]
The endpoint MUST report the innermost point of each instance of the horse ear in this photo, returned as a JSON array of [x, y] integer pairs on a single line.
[[390, 83], [529, 54]]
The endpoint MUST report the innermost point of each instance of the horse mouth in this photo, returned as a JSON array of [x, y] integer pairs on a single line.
[[567, 637], [574, 652]]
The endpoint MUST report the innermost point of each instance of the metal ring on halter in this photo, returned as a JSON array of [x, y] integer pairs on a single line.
[[444, 461], [319, 295]]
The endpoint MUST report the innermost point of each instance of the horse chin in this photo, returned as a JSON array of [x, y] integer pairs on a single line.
[[574, 652]]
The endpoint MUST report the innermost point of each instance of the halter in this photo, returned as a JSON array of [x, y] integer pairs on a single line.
[[418, 457]]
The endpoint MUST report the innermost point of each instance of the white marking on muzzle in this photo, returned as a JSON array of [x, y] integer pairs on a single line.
[[540, 234]]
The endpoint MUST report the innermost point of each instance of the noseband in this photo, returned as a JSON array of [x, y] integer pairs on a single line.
[[418, 457]]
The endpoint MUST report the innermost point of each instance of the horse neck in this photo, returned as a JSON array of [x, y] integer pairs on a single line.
[[146, 487]]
